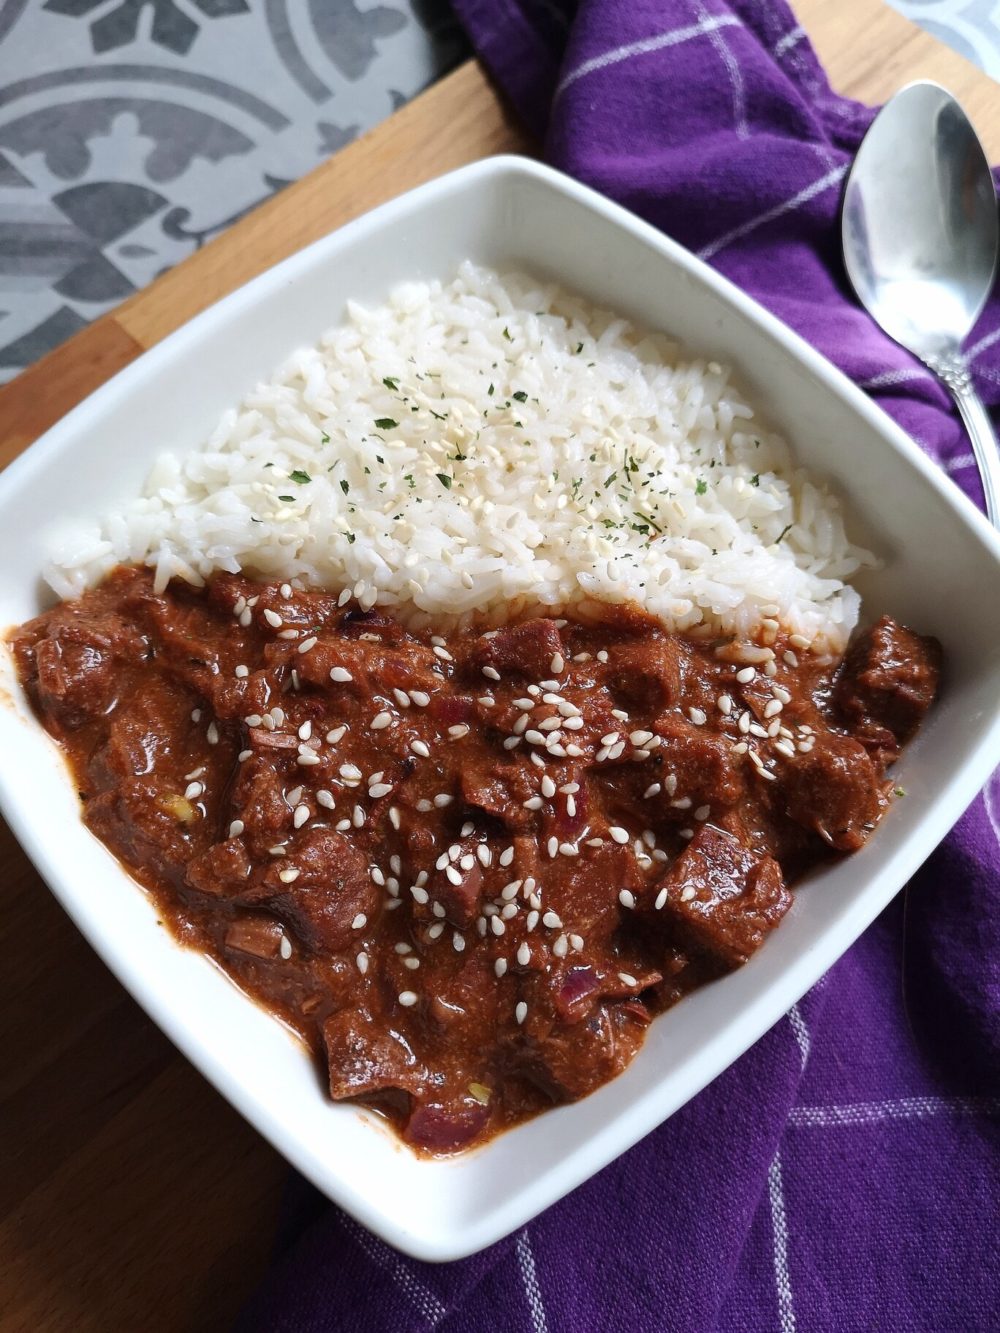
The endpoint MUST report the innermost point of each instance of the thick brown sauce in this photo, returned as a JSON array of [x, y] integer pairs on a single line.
[[467, 870]]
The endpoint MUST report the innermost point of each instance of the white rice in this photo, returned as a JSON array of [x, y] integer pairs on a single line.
[[534, 453]]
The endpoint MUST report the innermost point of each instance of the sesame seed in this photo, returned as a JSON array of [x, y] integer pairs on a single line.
[[661, 898], [301, 815], [497, 925], [697, 716], [491, 673], [520, 1011], [571, 806], [557, 664], [724, 704], [561, 947], [394, 817], [444, 654], [512, 742], [453, 875], [272, 618], [687, 834], [244, 755], [573, 723], [242, 672], [610, 738], [458, 941], [236, 828], [627, 978], [744, 723], [576, 943], [288, 875], [506, 856], [246, 618], [746, 675], [212, 734], [332, 737], [358, 816], [420, 698], [342, 825], [550, 724], [687, 893], [362, 962], [380, 720], [458, 731], [702, 813], [602, 656], [532, 919], [553, 846], [420, 748], [306, 644], [379, 789], [533, 803], [618, 833], [193, 791], [442, 799], [548, 786], [653, 790], [627, 898], [341, 675], [524, 953], [534, 737], [438, 910], [551, 920], [500, 967], [407, 998], [568, 848], [436, 931], [773, 708]]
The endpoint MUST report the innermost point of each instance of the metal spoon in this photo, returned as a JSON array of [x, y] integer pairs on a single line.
[[920, 234]]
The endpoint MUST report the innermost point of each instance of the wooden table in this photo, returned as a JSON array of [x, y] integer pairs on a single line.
[[132, 1196]]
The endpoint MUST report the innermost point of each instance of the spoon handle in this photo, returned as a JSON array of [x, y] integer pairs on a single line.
[[954, 373]]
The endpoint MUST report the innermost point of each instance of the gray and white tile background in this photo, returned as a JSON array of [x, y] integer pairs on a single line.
[[132, 131], [971, 27]]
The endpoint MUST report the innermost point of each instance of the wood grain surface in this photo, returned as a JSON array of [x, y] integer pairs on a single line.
[[132, 1196]]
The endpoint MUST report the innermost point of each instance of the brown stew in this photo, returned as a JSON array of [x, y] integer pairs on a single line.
[[468, 870]]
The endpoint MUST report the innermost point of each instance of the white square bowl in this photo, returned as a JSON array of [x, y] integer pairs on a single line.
[[941, 573]]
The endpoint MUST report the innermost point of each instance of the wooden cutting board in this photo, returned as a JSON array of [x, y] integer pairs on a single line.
[[132, 1195]]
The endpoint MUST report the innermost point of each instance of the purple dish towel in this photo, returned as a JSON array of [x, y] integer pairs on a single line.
[[844, 1174]]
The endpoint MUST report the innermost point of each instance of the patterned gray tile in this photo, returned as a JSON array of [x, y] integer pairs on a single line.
[[970, 27], [133, 131]]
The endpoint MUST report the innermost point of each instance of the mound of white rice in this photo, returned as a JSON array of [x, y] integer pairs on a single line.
[[472, 451]]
